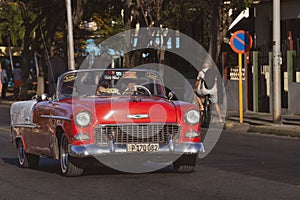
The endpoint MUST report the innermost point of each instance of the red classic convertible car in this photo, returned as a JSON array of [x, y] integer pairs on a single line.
[[122, 118]]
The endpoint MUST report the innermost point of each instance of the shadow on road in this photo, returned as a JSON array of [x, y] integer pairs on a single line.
[[48, 165]]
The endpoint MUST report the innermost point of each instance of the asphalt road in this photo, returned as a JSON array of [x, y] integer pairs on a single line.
[[241, 166]]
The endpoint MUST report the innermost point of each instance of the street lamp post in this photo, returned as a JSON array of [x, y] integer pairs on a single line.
[[276, 63], [71, 64]]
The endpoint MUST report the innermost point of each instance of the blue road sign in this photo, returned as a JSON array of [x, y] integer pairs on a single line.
[[241, 41]]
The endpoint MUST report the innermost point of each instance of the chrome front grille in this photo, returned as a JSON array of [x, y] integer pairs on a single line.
[[135, 133]]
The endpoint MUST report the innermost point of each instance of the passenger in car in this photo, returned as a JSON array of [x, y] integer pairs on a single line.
[[101, 88]]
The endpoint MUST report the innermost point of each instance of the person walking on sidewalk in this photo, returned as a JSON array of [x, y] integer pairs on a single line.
[[4, 81], [206, 84], [17, 72]]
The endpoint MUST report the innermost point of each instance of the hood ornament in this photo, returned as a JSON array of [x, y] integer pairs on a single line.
[[138, 116]]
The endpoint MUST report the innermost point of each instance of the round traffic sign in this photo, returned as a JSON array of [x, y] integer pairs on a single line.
[[241, 41]]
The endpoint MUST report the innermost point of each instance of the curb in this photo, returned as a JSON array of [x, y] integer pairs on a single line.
[[5, 102], [279, 130]]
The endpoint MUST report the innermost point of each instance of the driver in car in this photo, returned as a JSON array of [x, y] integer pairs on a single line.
[[130, 79], [130, 87]]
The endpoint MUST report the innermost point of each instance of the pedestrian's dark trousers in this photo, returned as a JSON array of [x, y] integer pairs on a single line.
[[3, 92]]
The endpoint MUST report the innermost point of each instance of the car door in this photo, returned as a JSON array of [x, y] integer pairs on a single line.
[[42, 134]]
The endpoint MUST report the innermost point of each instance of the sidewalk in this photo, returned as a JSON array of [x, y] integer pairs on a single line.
[[263, 123], [9, 96]]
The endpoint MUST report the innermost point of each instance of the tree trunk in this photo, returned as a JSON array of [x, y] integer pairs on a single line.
[[26, 55], [214, 29], [10, 54]]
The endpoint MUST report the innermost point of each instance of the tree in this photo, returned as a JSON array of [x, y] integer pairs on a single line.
[[105, 18], [140, 14], [211, 15], [39, 25], [219, 22], [10, 30]]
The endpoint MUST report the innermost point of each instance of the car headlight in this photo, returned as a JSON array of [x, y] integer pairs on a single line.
[[83, 118], [192, 117]]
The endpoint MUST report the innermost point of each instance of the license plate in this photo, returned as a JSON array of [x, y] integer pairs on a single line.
[[151, 147]]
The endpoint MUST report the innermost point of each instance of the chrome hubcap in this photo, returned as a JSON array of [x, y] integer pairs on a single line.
[[21, 155], [63, 156]]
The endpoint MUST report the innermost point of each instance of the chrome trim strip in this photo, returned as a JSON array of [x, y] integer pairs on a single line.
[[93, 149], [138, 116], [56, 117]]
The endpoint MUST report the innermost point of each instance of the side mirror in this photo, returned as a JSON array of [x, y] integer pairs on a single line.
[[44, 97], [171, 95]]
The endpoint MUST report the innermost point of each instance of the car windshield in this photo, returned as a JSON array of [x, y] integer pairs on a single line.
[[97, 83]]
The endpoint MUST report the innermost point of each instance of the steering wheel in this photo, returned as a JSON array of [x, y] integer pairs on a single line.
[[140, 89]]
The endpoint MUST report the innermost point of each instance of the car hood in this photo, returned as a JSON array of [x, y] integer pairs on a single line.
[[112, 110]]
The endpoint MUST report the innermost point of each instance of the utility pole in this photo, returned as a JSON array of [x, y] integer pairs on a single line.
[[276, 63], [71, 64]]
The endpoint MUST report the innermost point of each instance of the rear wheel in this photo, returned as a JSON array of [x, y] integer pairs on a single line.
[[67, 167], [206, 114], [27, 160], [185, 164]]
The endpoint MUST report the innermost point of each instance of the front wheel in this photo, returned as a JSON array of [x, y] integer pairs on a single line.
[[27, 160], [67, 167], [185, 164]]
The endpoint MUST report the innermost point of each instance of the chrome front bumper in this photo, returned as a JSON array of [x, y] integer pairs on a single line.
[[95, 150]]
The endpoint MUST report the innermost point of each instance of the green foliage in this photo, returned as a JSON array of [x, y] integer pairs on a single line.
[[105, 28], [106, 14], [11, 22], [18, 17], [176, 14]]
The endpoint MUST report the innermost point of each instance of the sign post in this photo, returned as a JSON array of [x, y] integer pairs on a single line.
[[241, 42]]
